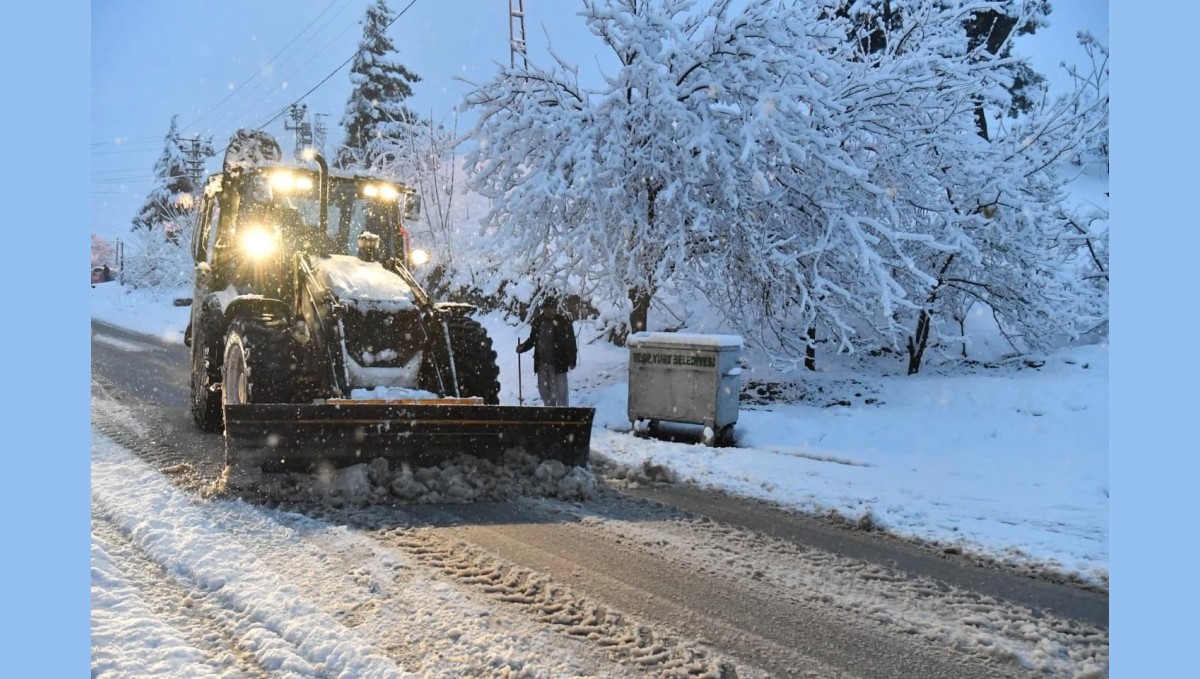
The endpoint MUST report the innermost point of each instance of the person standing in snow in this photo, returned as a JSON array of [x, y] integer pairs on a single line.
[[554, 352]]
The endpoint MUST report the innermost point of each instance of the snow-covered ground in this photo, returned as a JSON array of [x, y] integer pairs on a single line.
[[1006, 459]]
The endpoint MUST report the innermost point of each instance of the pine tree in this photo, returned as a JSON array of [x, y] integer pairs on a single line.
[[175, 191], [376, 105], [163, 226]]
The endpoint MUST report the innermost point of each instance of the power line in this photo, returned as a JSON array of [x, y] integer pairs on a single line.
[[135, 178], [115, 170], [235, 91], [286, 79], [331, 74], [258, 71], [285, 109], [249, 94], [118, 151], [124, 142]]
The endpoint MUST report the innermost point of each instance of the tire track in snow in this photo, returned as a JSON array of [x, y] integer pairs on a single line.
[[284, 631], [175, 620], [1058, 641], [630, 642], [390, 599], [122, 344], [193, 460], [582, 576], [944, 616]]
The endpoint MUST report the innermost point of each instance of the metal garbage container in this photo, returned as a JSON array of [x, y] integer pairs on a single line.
[[689, 378]]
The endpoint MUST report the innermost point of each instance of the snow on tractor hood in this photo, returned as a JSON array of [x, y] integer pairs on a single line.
[[366, 286]]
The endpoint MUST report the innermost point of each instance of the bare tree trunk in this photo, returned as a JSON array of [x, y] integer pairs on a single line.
[[640, 314], [962, 330], [810, 351], [920, 337], [917, 343], [641, 295], [981, 126], [990, 29]]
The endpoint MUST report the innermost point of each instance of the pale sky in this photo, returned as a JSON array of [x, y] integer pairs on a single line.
[[230, 64], [236, 63]]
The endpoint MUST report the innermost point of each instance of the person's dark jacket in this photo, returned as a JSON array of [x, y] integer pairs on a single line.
[[565, 351]]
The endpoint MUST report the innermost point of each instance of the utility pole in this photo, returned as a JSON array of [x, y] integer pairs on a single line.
[[516, 32], [319, 131], [301, 127], [309, 133], [195, 150]]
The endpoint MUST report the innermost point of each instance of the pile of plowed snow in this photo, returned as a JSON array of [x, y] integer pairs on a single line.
[[459, 480]]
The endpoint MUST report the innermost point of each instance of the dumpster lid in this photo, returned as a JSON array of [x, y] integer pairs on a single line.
[[680, 339]]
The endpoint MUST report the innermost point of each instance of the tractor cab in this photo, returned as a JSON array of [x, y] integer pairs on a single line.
[[255, 220]]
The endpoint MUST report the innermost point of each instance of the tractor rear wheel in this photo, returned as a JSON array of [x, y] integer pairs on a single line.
[[206, 396], [205, 337]]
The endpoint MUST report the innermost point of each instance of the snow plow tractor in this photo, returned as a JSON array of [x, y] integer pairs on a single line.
[[312, 342]]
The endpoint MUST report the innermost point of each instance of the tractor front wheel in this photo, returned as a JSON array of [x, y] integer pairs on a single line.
[[472, 360], [255, 370]]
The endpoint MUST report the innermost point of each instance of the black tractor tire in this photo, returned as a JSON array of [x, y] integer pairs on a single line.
[[266, 362], [257, 369], [474, 360], [206, 395]]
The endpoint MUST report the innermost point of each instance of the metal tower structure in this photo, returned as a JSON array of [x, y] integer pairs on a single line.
[[301, 127], [516, 32], [195, 150], [319, 130]]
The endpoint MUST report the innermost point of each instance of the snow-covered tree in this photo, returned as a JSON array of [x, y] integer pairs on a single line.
[[103, 252], [422, 155], [988, 24], [750, 153], [381, 84], [992, 25], [1039, 266], [158, 252], [158, 259], [616, 193], [175, 191], [1091, 91]]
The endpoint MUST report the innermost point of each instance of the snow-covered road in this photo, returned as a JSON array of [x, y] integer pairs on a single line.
[[191, 579], [224, 588], [536, 587]]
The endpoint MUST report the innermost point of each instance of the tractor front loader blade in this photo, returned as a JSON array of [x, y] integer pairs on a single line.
[[422, 433]]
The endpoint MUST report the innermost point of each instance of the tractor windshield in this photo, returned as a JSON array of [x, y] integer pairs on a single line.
[[291, 200]]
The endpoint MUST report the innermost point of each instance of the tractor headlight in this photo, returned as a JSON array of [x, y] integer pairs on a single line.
[[418, 257], [259, 242], [381, 191], [284, 181]]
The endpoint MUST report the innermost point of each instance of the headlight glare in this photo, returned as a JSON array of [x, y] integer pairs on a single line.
[[285, 181], [259, 242]]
